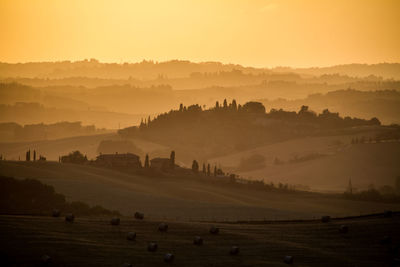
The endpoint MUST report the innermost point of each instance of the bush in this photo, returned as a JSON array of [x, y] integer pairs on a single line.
[[31, 197]]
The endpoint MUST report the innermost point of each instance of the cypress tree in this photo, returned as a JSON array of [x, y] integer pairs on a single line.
[[204, 169], [34, 155], [234, 105], [195, 166], [146, 162], [208, 169], [172, 159], [215, 170]]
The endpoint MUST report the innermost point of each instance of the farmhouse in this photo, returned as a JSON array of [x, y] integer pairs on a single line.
[[119, 160], [160, 163]]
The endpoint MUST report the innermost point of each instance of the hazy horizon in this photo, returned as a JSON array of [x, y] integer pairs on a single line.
[[251, 33], [202, 62]]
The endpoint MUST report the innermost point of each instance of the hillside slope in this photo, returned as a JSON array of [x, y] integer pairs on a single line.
[[335, 162], [182, 198]]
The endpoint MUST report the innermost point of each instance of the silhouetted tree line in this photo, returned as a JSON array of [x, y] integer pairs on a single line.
[[32, 197], [385, 193], [391, 133], [74, 157], [231, 126], [372, 194], [34, 158]]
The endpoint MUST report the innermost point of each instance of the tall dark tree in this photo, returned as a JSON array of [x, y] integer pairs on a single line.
[[234, 105], [208, 169], [181, 107], [215, 170], [350, 187], [28, 155], [34, 155], [172, 159], [204, 169], [146, 162], [195, 166], [217, 105], [225, 104]]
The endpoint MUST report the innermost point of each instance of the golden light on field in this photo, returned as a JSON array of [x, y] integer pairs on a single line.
[[250, 32]]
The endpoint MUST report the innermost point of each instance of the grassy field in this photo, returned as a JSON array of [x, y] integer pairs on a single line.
[[94, 242], [183, 198], [364, 164]]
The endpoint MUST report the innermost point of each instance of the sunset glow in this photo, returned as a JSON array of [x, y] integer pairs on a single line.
[[255, 32]]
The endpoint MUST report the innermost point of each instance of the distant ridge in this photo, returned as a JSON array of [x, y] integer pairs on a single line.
[[148, 69]]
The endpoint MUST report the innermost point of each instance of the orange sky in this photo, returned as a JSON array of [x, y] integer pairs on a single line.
[[248, 32]]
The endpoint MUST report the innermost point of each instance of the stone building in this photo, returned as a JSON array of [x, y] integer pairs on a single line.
[[119, 160]]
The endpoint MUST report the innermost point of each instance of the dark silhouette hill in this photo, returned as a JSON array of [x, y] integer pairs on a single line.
[[31, 197], [350, 102], [230, 127]]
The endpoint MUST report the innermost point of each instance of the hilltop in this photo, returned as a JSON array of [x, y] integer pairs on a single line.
[[230, 127]]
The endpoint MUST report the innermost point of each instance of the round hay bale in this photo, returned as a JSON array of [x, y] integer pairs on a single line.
[[288, 259], [234, 250], [198, 241], [46, 260], [115, 221], [69, 217], [152, 247], [56, 213], [214, 230], [126, 264], [163, 227], [131, 236], [325, 219], [139, 216], [387, 213], [386, 240], [344, 229], [169, 257]]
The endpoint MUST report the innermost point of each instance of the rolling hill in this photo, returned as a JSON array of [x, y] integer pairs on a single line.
[[322, 163], [182, 198]]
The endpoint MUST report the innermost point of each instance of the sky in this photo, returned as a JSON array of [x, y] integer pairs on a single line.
[[261, 33]]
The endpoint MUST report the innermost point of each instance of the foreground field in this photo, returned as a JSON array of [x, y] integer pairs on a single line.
[[94, 242], [183, 198]]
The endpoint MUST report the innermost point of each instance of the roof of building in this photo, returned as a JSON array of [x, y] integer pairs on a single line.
[[159, 159], [118, 156]]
